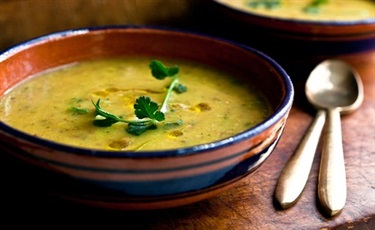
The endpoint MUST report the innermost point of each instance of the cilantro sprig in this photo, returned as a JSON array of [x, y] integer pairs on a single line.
[[146, 110], [79, 111], [104, 118], [314, 6], [268, 4], [160, 71]]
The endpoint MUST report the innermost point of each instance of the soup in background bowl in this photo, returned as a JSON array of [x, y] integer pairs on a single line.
[[308, 10], [140, 178], [300, 34]]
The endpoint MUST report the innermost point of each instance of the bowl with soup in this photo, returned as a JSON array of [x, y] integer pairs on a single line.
[[301, 33], [134, 117]]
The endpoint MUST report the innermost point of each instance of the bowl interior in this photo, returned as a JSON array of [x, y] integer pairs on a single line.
[[61, 48]]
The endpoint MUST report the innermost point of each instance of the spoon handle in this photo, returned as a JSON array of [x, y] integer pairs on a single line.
[[294, 176], [332, 176]]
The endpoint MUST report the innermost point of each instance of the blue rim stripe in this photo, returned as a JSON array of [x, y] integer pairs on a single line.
[[136, 171]]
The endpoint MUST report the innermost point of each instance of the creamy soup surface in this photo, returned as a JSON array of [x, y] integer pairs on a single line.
[[332, 10], [215, 106]]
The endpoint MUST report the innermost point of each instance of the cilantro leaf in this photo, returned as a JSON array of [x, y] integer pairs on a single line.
[[314, 6], [160, 71], [104, 122], [172, 125], [103, 118], [145, 108], [268, 4], [79, 111], [179, 88], [139, 128]]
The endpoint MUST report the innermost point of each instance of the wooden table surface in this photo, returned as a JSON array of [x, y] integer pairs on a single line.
[[250, 204]]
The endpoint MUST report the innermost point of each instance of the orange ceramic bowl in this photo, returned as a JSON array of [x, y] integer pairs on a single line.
[[149, 179]]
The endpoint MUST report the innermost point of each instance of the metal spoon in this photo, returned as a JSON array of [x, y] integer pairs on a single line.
[[337, 88], [296, 172], [333, 87]]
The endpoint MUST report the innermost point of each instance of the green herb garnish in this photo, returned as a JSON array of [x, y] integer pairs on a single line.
[[75, 106], [104, 118], [160, 71], [78, 111], [314, 6], [268, 4], [172, 125], [146, 110]]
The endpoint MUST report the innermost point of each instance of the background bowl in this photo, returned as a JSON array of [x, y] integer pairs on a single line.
[[144, 180], [298, 45]]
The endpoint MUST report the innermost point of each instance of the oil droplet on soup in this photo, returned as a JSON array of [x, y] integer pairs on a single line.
[[57, 105]]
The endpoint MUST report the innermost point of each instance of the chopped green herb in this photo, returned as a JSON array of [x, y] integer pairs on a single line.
[[172, 125], [314, 6], [268, 4], [104, 118], [140, 127], [78, 111], [75, 106], [145, 108], [160, 71], [179, 88]]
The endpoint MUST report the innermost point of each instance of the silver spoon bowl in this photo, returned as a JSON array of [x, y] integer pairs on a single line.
[[334, 85]]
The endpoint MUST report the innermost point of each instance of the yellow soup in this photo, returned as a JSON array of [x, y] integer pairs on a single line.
[[328, 10], [215, 106]]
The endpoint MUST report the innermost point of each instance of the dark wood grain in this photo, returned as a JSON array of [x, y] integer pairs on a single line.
[[250, 204]]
